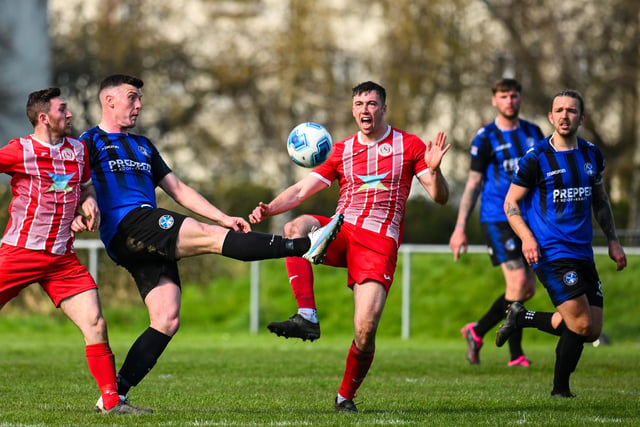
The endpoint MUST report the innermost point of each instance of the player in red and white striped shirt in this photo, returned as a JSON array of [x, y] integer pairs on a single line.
[[50, 180], [374, 169]]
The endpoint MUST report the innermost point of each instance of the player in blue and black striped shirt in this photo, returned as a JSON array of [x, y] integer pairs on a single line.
[[548, 205], [149, 241], [495, 152]]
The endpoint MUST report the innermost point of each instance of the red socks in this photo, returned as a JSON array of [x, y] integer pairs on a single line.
[[358, 364], [102, 366], [301, 278]]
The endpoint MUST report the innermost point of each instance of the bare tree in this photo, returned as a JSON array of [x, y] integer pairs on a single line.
[[224, 90], [454, 50], [593, 47]]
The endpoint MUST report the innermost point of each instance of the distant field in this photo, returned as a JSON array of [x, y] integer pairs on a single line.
[[215, 373], [214, 379], [444, 296]]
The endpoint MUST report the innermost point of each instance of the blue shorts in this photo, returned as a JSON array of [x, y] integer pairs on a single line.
[[502, 243], [567, 278]]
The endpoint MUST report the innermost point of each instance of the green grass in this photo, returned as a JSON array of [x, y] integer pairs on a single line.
[[215, 373], [444, 296], [243, 380]]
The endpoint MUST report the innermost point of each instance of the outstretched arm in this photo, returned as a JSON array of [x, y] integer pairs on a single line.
[[433, 181], [196, 203], [288, 199], [604, 216]]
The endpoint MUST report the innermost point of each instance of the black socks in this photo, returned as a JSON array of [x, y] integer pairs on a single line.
[[142, 356], [568, 352], [540, 321], [253, 246], [492, 317]]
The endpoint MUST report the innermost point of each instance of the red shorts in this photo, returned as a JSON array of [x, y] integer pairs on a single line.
[[61, 276], [367, 255]]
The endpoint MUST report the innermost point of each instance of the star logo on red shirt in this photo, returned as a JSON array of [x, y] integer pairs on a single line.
[[60, 182], [374, 181]]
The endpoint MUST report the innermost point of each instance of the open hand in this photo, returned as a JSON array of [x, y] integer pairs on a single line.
[[436, 151]]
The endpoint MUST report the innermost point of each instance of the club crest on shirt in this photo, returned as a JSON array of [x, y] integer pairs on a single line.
[[588, 168], [570, 278], [166, 222], [68, 154], [144, 150], [385, 149]]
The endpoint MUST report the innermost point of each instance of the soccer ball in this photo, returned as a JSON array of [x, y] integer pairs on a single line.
[[309, 144]]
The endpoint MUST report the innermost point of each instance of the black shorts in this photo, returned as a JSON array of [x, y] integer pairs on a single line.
[[566, 279], [145, 245], [502, 243]]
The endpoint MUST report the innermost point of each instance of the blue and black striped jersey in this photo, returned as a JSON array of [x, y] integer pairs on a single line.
[[495, 154], [125, 170], [558, 205]]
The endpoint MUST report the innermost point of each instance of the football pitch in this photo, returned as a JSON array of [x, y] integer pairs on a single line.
[[208, 378]]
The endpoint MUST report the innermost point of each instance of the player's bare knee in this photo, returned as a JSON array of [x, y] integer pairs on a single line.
[[172, 326], [216, 235], [174, 329], [197, 238], [289, 229], [584, 327], [94, 329], [365, 338], [593, 333], [168, 326], [365, 344], [101, 325], [211, 231], [529, 293], [296, 228]]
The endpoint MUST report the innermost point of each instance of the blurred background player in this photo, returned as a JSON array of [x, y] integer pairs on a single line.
[[51, 182], [557, 185], [495, 152], [374, 169]]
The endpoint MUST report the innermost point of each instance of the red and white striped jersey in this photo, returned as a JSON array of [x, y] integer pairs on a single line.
[[375, 180], [46, 183]]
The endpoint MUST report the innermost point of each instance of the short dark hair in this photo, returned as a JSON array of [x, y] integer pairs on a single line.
[[571, 93], [506, 84], [115, 80], [40, 102], [369, 87]]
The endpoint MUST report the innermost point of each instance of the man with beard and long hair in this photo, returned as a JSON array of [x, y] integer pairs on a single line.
[[549, 206]]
